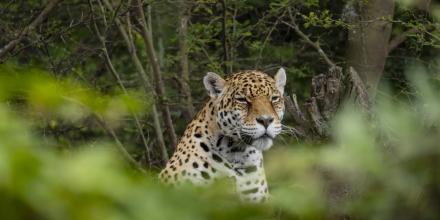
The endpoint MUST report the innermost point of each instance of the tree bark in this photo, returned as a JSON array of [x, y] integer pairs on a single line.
[[185, 16], [329, 90], [368, 40], [157, 75], [40, 18]]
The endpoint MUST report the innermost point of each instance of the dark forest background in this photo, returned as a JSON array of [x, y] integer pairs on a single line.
[[95, 94]]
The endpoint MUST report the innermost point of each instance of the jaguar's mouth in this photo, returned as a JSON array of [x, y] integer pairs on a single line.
[[248, 139], [266, 135]]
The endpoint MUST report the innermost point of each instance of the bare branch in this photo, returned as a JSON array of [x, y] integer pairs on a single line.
[[183, 76], [143, 76], [101, 122], [40, 18], [120, 145], [157, 75], [399, 39], [118, 79], [315, 45]]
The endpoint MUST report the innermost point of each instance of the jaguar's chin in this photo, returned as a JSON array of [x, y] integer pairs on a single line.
[[263, 143]]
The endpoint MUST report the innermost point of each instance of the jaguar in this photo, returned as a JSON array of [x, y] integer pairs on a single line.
[[228, 135]]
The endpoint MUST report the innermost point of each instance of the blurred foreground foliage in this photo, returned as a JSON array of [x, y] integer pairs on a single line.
[[383, 166], [64, 98]]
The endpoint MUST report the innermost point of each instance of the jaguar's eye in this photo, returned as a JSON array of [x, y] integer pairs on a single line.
[[241, 100], [275, 98]]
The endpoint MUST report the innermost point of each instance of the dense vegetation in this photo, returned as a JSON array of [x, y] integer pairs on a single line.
[[94, 95]]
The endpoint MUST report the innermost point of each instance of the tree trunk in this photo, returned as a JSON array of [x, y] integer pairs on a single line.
[[368, 39], [157, 75], [185, 16]]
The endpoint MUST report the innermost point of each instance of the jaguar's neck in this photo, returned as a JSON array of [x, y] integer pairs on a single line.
[[205, 120], [204, 127]]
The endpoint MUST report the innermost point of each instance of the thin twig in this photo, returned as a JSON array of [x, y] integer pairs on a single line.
[[315, 45], [266, 39], [110, 130], [119, 144]]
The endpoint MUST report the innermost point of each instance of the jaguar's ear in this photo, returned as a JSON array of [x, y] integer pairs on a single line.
[[214, 84], [280, 80]]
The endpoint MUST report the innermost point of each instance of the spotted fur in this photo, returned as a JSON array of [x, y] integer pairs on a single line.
[[228, 136]]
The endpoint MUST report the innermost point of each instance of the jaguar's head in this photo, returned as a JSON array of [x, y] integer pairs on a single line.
[[249, 105]]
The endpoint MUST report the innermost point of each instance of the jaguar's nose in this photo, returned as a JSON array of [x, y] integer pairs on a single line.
[[264, 120]]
